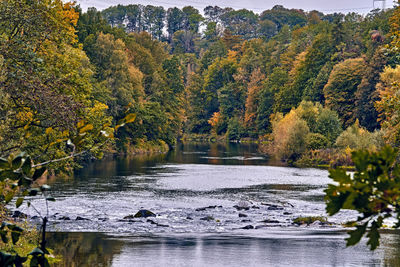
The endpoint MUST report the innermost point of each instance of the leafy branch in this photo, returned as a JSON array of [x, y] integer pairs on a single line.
[[18, 178], [373, 191]]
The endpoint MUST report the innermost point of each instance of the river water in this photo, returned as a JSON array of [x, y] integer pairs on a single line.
[[216, 205]]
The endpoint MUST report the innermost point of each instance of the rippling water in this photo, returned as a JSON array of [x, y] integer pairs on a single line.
[[194, 191]]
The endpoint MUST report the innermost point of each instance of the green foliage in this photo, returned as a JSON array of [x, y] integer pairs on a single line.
[[342, 85], [282, 16], [372, 191], [316, 141], [235, 129], [356, 137], [328, 124]]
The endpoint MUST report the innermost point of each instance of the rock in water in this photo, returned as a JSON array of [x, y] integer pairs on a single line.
[[144, 214], [79, 218], [208, 218], [242, 205]]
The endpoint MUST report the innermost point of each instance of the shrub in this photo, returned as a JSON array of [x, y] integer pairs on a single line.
[[235, 129], [289, 136], [316, 141], [356, 137], [328, 124]]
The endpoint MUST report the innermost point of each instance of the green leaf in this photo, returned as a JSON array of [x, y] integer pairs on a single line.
[[3, 236], [17, 161], [27, 166], [10, 175], [38, 173], [356, 235], [9, 196], [373, 234], [25, 181], [15, 237], [33, 192], [339, 175], [19, 202]]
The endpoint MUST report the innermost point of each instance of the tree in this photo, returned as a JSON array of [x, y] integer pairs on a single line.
[[115, 15], [267, 29], [213, 13], [268, 102], [192, 19], [134, 16], [241, 22], [175, 21], [282, 16], [198, 113], [328, 124], [389, 104], [153, 20], [252, 101], [46, 85], [366, 94], [340, 90], [115, 72], [289, 135]]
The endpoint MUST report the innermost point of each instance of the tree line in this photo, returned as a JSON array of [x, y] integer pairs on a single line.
[[231, 73]]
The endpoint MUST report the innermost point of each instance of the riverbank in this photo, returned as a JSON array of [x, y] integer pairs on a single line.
[[142, 146], [312, 158]]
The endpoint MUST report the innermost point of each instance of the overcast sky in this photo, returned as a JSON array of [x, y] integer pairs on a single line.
[[326, 6]]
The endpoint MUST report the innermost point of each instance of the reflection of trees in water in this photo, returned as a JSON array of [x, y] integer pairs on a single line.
[[392, 249], [84, 249]]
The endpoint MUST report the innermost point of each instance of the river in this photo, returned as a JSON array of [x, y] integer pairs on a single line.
[[216, 205]]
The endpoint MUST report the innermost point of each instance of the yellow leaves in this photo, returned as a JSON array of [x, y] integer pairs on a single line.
[[215, 119], [130, 118], [395, 28], [232, 55], [86, 128], [98, 106], [25, 116], [49, 130], [80, 124], [70, 14]]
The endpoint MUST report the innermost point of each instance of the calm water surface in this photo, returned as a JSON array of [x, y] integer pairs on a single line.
[[193, 191]]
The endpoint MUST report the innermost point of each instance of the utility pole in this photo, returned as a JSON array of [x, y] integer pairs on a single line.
[[383, 3]]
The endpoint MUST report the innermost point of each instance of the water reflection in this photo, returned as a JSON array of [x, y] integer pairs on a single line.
[[174, 185], [317, 249]]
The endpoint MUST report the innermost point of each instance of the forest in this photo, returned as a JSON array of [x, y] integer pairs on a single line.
[[306, 84], [312, 89]]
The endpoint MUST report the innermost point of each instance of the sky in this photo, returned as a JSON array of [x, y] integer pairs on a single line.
[[326, 6]]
